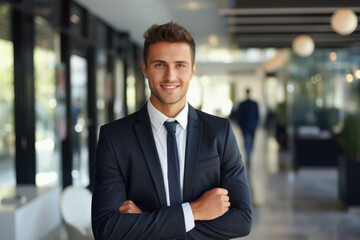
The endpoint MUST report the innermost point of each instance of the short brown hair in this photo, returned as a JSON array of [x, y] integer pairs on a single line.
[[169, 32]]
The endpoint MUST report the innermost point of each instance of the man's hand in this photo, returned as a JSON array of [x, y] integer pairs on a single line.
[[129, 207], [212, 204]]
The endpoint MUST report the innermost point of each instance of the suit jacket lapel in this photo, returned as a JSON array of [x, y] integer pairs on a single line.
[[193, 141], [147, 143]]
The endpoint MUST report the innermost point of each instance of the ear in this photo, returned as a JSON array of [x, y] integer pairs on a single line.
[[193, 70], [143, 67]]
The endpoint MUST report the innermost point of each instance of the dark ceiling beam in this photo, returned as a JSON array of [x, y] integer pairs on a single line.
[[278, 20], [285, 40], [289, 44], [282, 11], [292, 3], [288, 37], [280, 28]]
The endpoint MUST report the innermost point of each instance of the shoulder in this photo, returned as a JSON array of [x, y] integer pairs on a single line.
[[253, 102], [212, 122], [122, 124], [210, 118]]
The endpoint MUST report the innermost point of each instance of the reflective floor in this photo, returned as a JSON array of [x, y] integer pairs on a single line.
[[301, 205]]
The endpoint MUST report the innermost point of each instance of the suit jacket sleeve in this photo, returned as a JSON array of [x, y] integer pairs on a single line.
[[237, 221], [110, 192]]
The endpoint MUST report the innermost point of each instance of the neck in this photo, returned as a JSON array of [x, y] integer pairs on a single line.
[[171, 110]]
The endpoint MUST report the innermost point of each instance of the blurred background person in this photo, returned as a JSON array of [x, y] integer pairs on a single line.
[[247, 117]]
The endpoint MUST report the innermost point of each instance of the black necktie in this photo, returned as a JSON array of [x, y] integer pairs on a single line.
[[173, 164]]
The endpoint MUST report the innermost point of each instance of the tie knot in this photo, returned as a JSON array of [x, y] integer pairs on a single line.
[[170, 126]]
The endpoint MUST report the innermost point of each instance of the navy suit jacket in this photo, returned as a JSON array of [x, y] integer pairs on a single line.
[[127, 167]]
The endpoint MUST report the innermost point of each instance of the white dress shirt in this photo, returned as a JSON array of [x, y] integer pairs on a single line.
[[157, 120]]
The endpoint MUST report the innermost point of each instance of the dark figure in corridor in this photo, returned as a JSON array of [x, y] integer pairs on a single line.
[[169, 171], [248, 117]]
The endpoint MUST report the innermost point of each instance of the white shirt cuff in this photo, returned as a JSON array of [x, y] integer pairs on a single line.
[[188, 217]]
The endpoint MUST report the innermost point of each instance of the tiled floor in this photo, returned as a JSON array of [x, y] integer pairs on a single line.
[[300, 205]]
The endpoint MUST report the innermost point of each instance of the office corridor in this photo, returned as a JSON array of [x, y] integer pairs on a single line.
[[301, 205]]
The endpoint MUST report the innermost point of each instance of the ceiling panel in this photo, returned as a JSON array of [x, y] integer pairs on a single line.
[[260, 23], [246, 23]]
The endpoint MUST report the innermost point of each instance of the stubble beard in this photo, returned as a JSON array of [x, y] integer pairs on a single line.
[[165, 100]]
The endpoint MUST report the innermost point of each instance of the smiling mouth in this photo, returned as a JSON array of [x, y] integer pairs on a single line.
[[169, 87]]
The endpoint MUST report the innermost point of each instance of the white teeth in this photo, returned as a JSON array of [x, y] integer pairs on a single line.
[[169, 87]]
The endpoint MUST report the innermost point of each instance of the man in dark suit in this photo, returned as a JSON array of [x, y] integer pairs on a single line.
[[154, 182], [247, 118]]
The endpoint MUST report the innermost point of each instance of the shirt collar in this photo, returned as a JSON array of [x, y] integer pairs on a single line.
[[157, 119]]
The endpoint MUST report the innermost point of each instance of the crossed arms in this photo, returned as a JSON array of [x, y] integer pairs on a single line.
[[212, 204]]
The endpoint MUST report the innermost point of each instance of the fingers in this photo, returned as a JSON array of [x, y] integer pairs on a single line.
[[223, 194], [221, 191], [212, 204], [226, 202], [226, 198], [129, 207]]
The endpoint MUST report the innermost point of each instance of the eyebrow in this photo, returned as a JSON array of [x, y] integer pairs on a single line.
[[162, 61]]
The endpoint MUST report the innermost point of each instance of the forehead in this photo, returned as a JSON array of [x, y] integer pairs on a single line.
[[169, 50]]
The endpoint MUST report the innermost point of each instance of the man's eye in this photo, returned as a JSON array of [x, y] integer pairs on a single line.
[[159, 65], [181, 65]]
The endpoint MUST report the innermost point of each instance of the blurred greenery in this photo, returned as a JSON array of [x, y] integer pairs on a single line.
[[6, 71], [7, 132], [349, 139]]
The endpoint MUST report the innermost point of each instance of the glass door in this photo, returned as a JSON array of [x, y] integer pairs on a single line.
[[7, 130], [119, 103], [47, 144], [80, 168]]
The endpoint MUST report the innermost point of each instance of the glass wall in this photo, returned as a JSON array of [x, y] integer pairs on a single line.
[[119, 110], [47, 144], [7, 133], [98, 32], [131, 90], [100, 87], [58, 96], [80, 172], [319, 90]]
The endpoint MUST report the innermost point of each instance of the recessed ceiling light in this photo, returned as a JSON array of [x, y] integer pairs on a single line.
[[193, 5], [213, 40]]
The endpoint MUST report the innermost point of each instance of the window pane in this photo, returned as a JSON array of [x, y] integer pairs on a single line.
[[131, 91], [101, 87], [47, 144], [119, 109], [7, 133], [80, 172]]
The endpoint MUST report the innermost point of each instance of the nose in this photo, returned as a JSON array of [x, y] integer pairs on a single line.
[[170, 74]]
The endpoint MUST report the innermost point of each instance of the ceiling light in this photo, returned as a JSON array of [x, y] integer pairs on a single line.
[[349, 77], [193, 5], [357, 73], [333, 56], [344, 21], [303, 45], [213, 40]]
